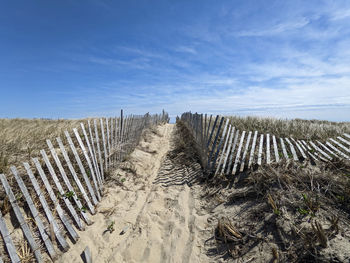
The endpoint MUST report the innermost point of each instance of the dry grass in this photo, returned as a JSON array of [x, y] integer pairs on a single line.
[[301, 209], [296, 128], [21, 139]]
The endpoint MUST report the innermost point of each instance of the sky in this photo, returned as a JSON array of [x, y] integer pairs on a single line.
[[74, 59]]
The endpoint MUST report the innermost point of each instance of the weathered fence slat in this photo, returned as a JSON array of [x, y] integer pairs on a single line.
[[327, 149], [219, 146], [99, 150], [302, 145], [346, 135], [85, 153], [284, 149], [275, 149], [320, 151], [228, 150], [35, 213], [212, 131], [337, 150], [92, 155], [215, 142], [299, 148], [104, 143], [208, 129], [232, 153], [81, 167], [252, 150], [53, 197], [238, 155], [66, 200], [246, 148], [340, 145], [46, 208], [67, 182], [292, 149], [75, 176], [223, 149], [108, 143], [343, 140], [268, 159], [8, 241], [309, 150], [260, 149], [87, 255], [20, 218]]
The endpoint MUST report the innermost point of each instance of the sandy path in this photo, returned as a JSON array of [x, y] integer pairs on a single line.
[[155, 207]]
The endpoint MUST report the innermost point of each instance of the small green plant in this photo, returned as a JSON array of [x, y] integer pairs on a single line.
[[341, 198], [83, 209], [302, 211], [122, 180], [110, 227], [69, 194]]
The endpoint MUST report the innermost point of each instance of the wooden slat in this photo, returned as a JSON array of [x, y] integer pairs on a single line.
[[275, 149], [238, 155], [229, 165], [1, 261], [327, 149], [20, 218], [337, 150], [285, 154], [268, 159], [87, 255], [246, 148], [346, 135], [320, 151], [261, 143], [208, 129], [87, 158], [67, 182], [292, 149], [343, 140], [223, 149], [302, 145], [104, 144], [309, 149], [112, 135], [75, 176], [212, 131], [60, 189], [220, 144], [46, 208], [214, 143], [11, 250], [299, 148], [108, 143], [306, 145], [228, 151], [92, 155], [252, 150], [340, 145], [35, 213], [81, 167], [53, 198], [99, 149]]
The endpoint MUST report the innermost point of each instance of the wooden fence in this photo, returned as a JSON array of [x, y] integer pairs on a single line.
[[226, 150], [54, 199]]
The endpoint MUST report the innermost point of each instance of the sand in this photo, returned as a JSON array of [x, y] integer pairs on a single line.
[[155, 213]]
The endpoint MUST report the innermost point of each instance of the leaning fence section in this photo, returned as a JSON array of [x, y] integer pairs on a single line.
[[53, 196], [224, 149]]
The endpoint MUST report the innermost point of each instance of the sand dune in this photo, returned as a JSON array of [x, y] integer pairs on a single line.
[[154, 211]]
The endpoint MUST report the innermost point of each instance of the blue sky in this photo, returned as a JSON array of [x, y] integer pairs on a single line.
[[71, 59]]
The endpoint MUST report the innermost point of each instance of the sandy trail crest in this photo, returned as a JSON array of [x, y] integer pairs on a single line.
[[155, 206]]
